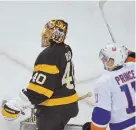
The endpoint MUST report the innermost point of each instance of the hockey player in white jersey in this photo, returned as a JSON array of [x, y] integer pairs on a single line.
[[114, 92]]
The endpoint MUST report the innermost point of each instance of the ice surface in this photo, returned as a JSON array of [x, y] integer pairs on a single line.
[[20, 27]]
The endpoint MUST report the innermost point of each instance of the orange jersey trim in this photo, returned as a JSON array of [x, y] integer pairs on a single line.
[[133, 129], [130, 59], [94, 127]]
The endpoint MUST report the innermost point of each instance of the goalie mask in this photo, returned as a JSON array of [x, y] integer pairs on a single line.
[[55, 30]]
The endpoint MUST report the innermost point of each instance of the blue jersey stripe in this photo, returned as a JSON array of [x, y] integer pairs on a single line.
[[101, 116], [123, 125]]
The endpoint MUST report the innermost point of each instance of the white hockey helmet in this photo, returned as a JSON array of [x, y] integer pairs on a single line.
[[112, 51]]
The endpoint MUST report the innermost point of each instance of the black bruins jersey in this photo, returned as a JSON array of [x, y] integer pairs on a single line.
[[53, 82]]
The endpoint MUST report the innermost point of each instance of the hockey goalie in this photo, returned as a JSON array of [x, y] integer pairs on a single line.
[[51, 90]]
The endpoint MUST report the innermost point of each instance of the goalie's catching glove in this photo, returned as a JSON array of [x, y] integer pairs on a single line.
[[13, 108]]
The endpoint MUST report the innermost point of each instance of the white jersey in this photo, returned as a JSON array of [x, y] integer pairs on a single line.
[[115, 92]]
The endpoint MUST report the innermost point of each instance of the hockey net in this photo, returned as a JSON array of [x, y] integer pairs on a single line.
[[30, 124], [26, 125]]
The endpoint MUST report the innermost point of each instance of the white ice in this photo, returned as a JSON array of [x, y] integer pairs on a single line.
[[21, 24]]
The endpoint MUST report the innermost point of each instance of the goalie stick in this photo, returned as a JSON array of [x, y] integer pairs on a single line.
[[89, 94], [101, 5], [33, 117]]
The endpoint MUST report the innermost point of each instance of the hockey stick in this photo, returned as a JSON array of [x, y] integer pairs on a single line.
[[33, 117], [89, 94], [101, 5]]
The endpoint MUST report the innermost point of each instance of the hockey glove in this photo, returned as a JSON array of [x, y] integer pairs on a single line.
[[16, 106], [86, 126]]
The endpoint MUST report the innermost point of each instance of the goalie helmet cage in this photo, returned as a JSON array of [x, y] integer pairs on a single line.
[[25, 125]]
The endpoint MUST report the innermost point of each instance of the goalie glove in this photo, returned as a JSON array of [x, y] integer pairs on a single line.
[[15, 107]]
